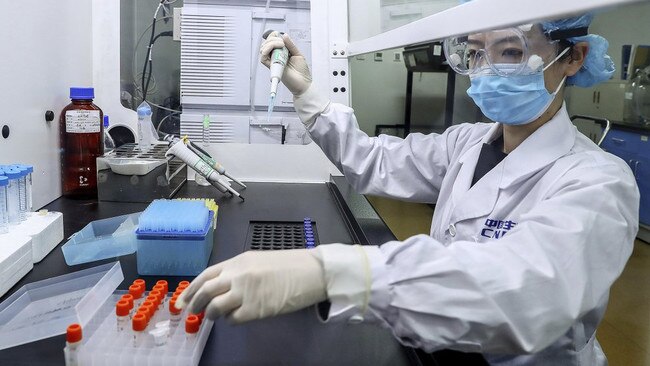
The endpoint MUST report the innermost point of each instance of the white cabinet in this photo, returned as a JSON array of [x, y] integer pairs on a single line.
[[605, 100]]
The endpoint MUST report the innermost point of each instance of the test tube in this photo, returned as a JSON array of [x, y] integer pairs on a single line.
[[28, 185], [22, 190], [13, 199], [73, 337], [139, 324], [174, 312], [4, 221], [192, 325], [122, 310]]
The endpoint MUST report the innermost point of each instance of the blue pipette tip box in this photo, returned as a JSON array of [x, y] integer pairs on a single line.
[[177, 253]]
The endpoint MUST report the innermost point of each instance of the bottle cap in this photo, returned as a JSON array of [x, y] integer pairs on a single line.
[[192, 324], [172, 307], [73, 334], [164, 284], [140, 282], [139, 322], [156, 294], [144, 110], [135, 291], [122, 308], [28, 168], [106, 121], [82, 93], [160, 288], [13, 173], [129, 299], [145, 312], [4, 181], [183, 284]]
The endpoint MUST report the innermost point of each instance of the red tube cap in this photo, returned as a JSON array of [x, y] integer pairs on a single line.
[[73, 334], [129, 299], [140, 282], [192, 324], [172, 307], [122, 308], [136, 291], [139, 322]]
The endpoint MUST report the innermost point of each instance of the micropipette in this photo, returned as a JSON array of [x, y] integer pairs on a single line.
[[181, 151], [215, 165], [279, 58]]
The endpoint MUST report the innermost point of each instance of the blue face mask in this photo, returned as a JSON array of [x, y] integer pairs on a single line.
[[512, 100]]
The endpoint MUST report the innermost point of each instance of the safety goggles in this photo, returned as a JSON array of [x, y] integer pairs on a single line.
[[504, 52]]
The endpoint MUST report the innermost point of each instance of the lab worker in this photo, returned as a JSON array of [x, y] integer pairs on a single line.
[[533, 221]]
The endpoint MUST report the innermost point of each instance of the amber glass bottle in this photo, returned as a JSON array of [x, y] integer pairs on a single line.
[[81, 134]]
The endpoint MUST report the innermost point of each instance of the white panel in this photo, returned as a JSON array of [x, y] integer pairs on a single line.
[[46, 49], [214, 63], [477, 15], [273, 163], [223, 128], [106, 65]]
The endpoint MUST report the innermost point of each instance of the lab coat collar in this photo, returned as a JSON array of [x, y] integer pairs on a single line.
[[551, 141]]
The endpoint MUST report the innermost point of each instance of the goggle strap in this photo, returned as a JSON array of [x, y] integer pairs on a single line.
[[559, 34], [556, 58]]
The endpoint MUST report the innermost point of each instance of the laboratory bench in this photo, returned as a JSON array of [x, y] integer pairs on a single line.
[[341, 216]]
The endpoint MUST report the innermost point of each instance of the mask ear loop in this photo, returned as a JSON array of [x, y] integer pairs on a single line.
[[556, 58]]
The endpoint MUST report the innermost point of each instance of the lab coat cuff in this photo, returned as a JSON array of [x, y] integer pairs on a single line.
[[347, 275], [309, 105]]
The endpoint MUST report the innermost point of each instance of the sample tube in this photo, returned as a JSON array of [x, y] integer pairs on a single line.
[[174, 312], [136, 291], [141, 282], [4, 220], [73, 337], [122, 311], [192, 325], [13, 199], [22, 190], [28, 181], [139, 324], [129, 299]]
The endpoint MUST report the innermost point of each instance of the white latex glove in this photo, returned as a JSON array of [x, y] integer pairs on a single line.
[[308, 102], [256, 285], [296, 77]]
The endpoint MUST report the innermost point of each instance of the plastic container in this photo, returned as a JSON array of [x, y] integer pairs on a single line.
[[4, 219], [81, 139], [109, 143], [45, 308], [175, 254], [13, 195], [147, 134], [101, 239]]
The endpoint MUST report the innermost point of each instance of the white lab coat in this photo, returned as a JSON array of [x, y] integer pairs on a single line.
[[517, 267]]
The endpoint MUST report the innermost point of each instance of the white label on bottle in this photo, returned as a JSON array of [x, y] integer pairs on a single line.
[[80, 121], [629, 96]]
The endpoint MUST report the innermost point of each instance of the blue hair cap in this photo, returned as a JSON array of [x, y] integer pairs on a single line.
[[598, 66]]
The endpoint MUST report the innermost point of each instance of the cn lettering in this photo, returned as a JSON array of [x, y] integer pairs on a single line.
[[495, 229]]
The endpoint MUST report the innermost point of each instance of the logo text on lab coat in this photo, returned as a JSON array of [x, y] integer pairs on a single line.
[[495, 229]]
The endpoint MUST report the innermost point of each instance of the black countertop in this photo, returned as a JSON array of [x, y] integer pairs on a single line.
[[293, 339]]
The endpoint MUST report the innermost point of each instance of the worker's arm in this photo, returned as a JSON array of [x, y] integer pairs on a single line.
[[411, 169], [517, 294]]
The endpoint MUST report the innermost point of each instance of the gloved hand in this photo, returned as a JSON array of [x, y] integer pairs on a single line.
[[256, 285], [309, 104], [296, 77]]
